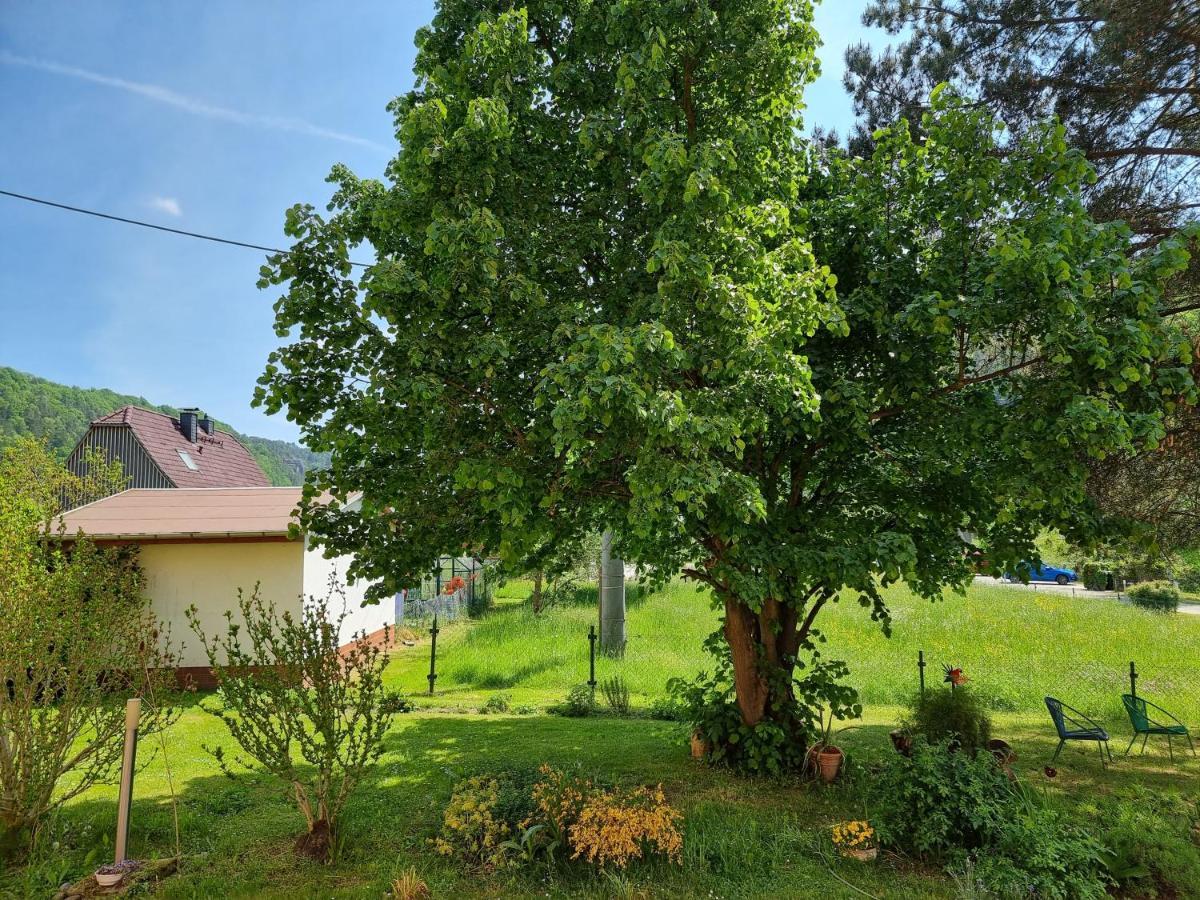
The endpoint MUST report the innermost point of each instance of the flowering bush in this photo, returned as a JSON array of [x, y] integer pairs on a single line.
[[851, 836], [471, 829], [607, 826], [616, 827]]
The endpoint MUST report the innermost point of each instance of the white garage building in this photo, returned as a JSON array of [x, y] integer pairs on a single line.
[[200, 545]]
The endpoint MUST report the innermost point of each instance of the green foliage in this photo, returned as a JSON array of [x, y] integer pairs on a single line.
[[1149, 834], [769, 747], [604, 301], [77, 639], [304, 709], [1159, 596], [497, 703], [616, 694], [579, 702], [938, 801], [393, 702], [1094, 577], [939, 804], [1188, 578], [951, 716], [60, 415]]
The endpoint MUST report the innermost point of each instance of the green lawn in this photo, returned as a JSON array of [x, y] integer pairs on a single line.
[[1015, 645], [743, 838]]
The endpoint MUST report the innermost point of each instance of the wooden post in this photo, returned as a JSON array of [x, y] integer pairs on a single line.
[[133, 711], [1132, 679]]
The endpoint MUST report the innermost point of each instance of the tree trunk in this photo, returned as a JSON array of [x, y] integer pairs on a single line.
[[612, 598], [536, 597], [763, 649]]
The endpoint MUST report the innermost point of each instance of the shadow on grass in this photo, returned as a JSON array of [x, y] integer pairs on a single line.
[[237, 833]]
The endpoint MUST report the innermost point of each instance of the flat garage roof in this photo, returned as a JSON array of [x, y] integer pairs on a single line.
[[165, 513]]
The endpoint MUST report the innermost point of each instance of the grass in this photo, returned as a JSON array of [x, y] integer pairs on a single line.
[[743, 838], [1015, 645]]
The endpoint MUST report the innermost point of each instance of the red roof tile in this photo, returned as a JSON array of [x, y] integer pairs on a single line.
[[221, 460]]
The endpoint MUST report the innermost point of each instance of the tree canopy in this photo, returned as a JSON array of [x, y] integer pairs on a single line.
[[1121, 76], [616, 287]]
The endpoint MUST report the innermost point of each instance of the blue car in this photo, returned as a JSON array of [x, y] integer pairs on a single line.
[[1043, 573]]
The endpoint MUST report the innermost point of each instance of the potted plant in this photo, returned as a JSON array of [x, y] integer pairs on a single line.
[[855, 840], [825, 756], [110, 875], [700, 745]]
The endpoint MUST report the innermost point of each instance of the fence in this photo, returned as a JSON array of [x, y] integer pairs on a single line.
[[458, 586]]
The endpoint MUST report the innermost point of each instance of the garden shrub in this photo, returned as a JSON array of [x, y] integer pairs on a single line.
[[1159, 596], [937, 801], [395, 702], [616, 694], [1036, 852], [471, 828], [578, 704], [618, 826], [954, 716], [497, 703], [668, 709], [305, 709], [606, 825], [947, 806]]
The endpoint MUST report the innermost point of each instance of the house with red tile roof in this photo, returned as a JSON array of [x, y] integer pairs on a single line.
[[157, 450]]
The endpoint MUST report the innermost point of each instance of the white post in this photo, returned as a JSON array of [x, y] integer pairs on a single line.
[[612, 598], [133, 711]]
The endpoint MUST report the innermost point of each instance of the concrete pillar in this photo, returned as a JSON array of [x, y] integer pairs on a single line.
[[612, 598]]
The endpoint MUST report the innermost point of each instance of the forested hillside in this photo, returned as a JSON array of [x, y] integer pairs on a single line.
[[60, 413]]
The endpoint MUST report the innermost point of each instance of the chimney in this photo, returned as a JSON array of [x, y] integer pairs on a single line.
[[207, 426], [187, 423]]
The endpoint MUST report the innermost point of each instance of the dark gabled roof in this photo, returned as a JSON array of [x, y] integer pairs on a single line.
[[220, 459]]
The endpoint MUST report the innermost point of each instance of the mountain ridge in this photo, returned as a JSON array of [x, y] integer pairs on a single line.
[[31, 405]]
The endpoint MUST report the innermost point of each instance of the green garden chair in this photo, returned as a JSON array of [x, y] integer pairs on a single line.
[[1072, 725], [1139, 717]]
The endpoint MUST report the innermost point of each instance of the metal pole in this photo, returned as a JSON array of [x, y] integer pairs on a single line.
[[433, 633], [921, 669], [133, 710], [592, 657], [1132, 679]]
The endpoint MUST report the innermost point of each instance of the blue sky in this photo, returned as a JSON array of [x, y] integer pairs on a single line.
[[212, 117]]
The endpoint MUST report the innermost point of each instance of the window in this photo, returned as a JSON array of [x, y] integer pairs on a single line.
[[187, 460]]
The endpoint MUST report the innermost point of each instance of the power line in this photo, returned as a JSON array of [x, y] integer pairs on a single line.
[[191, 234]]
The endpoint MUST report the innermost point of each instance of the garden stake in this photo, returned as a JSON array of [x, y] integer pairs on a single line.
[[433, 633], [921, 669], [1132, 680], [592, 657], [133, 710]]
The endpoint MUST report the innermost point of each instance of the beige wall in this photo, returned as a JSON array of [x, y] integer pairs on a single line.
[[317, 571], [209, 575]]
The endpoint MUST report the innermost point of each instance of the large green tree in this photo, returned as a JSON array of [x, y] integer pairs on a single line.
[[617, 288]]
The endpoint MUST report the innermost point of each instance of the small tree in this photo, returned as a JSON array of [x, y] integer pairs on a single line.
[[76, 640], [292, 700]]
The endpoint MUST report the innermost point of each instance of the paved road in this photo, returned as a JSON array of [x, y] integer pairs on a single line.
[[1073, 590]]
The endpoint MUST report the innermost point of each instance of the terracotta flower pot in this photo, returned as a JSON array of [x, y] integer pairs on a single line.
[[867, 855], [700, 745], [829, 762]]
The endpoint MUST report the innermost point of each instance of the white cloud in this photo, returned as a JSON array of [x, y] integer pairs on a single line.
[[169, 205], [192, 105]]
